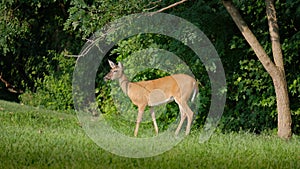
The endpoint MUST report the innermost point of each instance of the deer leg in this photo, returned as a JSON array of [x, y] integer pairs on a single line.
[[182, 118], [190, 115], [154, 119], [139, 119]]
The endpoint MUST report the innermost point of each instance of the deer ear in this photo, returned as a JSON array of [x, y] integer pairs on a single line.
[[120, 65], [111, 64]]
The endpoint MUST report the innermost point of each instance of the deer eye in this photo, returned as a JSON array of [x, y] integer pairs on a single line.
[[115, 71]]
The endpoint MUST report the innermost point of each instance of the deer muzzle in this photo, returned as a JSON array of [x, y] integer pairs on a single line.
[[107, 77]]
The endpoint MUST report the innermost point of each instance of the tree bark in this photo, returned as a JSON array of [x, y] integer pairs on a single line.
[[276, 70], [282, 98]]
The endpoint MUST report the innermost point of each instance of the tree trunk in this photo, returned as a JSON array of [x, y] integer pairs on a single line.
[[283, 107], [282, 98], [276, 70]]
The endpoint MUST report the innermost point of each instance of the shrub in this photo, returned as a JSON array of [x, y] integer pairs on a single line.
[[54, 90]]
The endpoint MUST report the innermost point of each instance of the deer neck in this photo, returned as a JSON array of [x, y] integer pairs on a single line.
[[123, 81]]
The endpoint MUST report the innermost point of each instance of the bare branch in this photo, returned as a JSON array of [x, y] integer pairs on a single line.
[[170, 6], [153, 7], [74, 56], [149, 9], [9, 86]]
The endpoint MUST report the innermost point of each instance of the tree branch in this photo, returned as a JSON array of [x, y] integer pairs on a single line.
[[274, 34], [153, 7], [170, 6], [251, 39], [9, 87]]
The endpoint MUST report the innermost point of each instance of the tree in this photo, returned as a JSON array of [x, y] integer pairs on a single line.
[[37, 34], [275, 69], [31, 35]]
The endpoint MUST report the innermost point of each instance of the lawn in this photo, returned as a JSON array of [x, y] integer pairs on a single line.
[[38, 138]]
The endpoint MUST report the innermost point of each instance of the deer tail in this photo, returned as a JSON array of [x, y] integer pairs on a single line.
[[195, 91]]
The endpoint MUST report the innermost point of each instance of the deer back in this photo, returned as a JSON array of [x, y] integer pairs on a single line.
[[162, 90]]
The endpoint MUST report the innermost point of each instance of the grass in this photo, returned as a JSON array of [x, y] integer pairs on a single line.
[[38, 138]]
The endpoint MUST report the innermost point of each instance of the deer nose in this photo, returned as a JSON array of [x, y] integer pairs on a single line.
[[106, 78]]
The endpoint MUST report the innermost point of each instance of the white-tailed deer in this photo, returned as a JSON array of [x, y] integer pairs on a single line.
[[178, 87]]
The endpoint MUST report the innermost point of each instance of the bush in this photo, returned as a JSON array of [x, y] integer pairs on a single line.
[[54, 90]]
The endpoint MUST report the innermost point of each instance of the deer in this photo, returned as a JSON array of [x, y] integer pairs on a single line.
[[176, 87]]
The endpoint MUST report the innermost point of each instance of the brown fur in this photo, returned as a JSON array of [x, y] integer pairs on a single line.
[[178, 87]]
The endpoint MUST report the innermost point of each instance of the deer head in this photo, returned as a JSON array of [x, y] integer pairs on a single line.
[[116, 71]]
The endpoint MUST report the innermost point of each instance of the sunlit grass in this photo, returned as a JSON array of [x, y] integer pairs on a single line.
[[38, 138]]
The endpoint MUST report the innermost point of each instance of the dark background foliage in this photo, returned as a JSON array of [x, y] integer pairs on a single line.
[[38, 36]]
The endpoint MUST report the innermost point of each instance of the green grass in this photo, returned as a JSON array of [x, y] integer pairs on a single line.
[[39, 138]]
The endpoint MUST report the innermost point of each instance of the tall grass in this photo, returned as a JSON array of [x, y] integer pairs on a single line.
[[38, 138]]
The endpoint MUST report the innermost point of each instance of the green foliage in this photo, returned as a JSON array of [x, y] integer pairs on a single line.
[[254, 103], [291, 48], [29, 30], [53, 91], [87, 17], [36, 34]]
